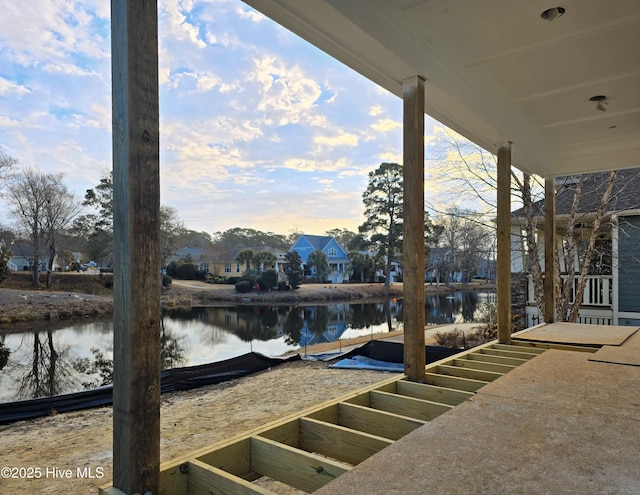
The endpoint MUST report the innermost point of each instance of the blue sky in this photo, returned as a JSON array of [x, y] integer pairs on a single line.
[[258, 128]]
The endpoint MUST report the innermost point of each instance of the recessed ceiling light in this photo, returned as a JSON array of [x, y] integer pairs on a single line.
[[601, 101], [551, 14]]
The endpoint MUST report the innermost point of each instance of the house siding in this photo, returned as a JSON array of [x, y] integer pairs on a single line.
[[336, 255], [629, 267]]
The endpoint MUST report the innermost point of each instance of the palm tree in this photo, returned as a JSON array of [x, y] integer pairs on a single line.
[[246, 257], [264, 260]]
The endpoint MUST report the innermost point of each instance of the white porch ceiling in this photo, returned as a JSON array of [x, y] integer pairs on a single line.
[[496, 71]]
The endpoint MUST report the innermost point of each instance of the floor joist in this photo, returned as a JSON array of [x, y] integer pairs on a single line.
[[309, 449]]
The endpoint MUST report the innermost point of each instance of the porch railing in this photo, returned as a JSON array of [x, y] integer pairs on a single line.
[[598, 290]]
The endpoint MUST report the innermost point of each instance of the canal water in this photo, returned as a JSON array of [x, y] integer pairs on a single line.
[[44, 361]]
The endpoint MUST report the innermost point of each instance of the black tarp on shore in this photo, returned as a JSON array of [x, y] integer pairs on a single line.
[[170, 381]]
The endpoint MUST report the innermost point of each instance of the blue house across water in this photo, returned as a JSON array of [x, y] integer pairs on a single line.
[[336, 255]]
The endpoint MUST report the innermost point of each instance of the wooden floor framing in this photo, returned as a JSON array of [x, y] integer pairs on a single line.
[[307, 450]]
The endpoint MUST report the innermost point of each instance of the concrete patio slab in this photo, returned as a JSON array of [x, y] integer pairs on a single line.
[[572, 333], [559, 424], [627, 353]]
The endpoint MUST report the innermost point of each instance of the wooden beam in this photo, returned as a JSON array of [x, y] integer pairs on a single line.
[[485, 376], [503, 261], [424, 410], [413, 228], [235, 458], [433, 393], [381, 423], [136, 204], [479, 365], [549, 250], [339, 442], [205, 480], [560, 347], [509, 354], [297, 468], [531, 350], [454, 382], [487, 358]]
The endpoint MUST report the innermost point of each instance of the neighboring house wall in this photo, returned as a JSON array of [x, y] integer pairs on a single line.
[[612, 292], [336, 255], [226, 265], [629, 269]]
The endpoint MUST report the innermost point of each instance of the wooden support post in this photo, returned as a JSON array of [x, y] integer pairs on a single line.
[[549, 250], [413, 229], [615, 274], [136, 204], [503, 264]]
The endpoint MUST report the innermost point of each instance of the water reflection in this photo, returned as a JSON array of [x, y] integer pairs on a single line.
[[50, 362], [457, 307]]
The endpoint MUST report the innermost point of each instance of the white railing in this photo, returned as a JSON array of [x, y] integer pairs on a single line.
[[587, 315], [598, 290]]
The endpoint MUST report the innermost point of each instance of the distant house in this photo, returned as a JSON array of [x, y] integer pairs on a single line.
[[442, 267], [224, 264], [22, 258], [612, 294], [336, 255], [198, 256]]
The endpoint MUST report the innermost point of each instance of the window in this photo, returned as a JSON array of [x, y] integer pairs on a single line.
[[332, 252], [227, 268], [237, 267]]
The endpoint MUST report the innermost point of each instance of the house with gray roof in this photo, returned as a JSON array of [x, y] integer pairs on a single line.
[[612, 294], [336, 255]]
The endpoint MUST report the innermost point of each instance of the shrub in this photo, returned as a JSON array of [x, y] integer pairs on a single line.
[[269, 279], [166, 280], [185, 271], [244, 286], [283, 286]]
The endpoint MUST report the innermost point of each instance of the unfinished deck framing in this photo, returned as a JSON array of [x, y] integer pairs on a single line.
[[307, 450]]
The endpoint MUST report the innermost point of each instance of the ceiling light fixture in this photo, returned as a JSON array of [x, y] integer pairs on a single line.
[[601, 101], [551, 14]]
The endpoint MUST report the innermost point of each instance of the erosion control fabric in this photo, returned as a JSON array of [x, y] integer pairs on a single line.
[[171, 380]]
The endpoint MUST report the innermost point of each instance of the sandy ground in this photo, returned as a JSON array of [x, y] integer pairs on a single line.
[[189, 421]]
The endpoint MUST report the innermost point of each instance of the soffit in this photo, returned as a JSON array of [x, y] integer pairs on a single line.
[[496, 71]]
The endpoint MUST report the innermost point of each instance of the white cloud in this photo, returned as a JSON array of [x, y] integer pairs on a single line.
[[341, 139], [175, 24], [8, 122], [69, 69], [386, 125], [9, 88], [196, 82], [250, 14], [40, 31], [287, 94], [391, 157]]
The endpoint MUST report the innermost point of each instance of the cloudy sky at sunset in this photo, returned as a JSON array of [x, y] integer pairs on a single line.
[[258, 128]]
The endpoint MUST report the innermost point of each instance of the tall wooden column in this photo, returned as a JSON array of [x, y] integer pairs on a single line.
[[413, 240], [615, 274], [550, 249], [503, 263], [136, 202]]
